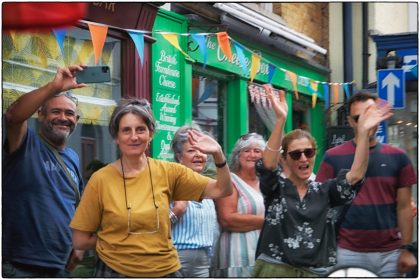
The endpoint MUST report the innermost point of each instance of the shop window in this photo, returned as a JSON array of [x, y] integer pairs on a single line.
[[208, 105], [30, 61]]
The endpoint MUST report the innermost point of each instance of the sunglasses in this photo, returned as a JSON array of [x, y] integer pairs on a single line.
[[296, 155], [355, 118]]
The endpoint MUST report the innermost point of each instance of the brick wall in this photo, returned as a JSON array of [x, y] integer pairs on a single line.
[[308, 18]]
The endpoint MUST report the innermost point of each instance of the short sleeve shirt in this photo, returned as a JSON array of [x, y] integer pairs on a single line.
[[298, 231]]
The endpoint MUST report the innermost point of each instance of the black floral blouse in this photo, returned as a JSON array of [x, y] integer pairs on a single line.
[[300, 232]]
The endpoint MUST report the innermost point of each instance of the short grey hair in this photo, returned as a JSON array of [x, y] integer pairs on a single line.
[[243, 142], [180, 138], [67, 94], [139, 107]]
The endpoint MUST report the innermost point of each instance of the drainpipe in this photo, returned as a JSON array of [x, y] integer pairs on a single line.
[[348, 42], [365, 50]]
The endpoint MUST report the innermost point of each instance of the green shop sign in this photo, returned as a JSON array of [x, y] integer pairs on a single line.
[[166, 73], [216, 58]]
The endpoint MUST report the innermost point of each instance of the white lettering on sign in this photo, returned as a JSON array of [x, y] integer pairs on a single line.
[[263, 69], [409, 62], [337, 140], [167, 98], [164, 67], [171, 59]]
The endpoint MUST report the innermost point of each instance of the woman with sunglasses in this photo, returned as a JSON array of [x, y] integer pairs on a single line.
[[124, 210], [298, 236], [241, 215]]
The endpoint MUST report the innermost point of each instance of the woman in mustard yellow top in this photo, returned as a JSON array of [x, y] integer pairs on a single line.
[[124, 210]]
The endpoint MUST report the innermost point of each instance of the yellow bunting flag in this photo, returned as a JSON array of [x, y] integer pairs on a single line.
[[98, 34], [224, 43], [173, 39], [314, 97], [335, 93], [255, 65], [293, 79], [14, 40], [314, 87]]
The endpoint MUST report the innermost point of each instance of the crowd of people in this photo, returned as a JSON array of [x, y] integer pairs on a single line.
[[262, 214]]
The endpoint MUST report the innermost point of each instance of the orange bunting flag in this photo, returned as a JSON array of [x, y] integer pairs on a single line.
[[173, 39], [224, 43], [255, 65], [98, 34], [335, 93], [293, 79]]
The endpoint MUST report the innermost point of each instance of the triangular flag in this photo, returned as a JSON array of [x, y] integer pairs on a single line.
[[293, 79], [173, 39], [200, 39], [326, 95], [210, 88], [314, 88], [346, 90], [240, 53], [98, 34], [271, 71], [314, 96], [138, 39], [255, 65], [60, 34], [335, 93], [15, 41], [223, 39]]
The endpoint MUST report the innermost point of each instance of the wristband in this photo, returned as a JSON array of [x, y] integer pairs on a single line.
[[273, 150], [220, 165]]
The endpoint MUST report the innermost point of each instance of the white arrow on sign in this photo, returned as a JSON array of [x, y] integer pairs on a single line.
[[391, 81]]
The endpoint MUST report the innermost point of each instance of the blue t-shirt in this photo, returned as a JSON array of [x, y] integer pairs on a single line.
[[38, 204]]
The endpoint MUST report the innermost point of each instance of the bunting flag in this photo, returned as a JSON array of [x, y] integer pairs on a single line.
[[335, 93], [224, 43], [98, 34], [271, 71], [293, 79], [210, 88], [240, 53], [346, 90], [173, 39], [14, 41], [255, 65], [200, 39], [60, 34], [314, 88], [326, 95], [138, 39]]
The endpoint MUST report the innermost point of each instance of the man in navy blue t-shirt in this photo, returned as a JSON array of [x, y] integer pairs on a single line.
[[373, 230], [41, 181]]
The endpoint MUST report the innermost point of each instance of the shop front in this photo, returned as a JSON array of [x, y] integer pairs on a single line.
[[216, 92]]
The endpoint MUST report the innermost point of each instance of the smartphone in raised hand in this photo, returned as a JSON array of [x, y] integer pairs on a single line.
[[94, 74]]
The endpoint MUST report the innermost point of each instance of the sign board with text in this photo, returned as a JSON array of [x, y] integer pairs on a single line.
[[391, 87]]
